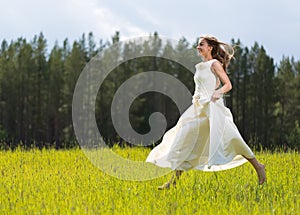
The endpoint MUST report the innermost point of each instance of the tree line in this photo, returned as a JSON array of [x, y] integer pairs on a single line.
[[37, 85]]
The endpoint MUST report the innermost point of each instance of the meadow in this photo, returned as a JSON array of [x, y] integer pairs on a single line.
[[52, 181]]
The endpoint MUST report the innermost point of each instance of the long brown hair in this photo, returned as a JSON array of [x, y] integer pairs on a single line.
[[221, 51]]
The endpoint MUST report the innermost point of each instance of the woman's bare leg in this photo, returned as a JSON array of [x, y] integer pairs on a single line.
[[260, 170], [178, 173]]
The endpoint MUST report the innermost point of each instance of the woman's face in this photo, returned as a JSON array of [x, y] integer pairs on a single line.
[[203, 48]]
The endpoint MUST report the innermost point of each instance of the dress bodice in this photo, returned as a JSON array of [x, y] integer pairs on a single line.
[[205, 136], [205, 81]]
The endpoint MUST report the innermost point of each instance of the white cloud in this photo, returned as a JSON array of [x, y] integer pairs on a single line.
[[274, 24], [108, 23], [148, 17]]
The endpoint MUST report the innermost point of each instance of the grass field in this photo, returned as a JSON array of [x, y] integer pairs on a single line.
[[65, 182]]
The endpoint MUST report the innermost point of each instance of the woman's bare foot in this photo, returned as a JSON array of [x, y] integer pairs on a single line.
[[165, 186], [260, 169], [173, 180], [261, 172]]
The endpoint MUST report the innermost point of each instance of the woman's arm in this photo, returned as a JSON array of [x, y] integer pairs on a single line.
[[220, 72]]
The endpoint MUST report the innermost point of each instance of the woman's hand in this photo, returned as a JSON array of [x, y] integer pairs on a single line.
[[217, 95]]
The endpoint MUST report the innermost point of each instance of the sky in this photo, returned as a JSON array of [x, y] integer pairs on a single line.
[[275, 24]]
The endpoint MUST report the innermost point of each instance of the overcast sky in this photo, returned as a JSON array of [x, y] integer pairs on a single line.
[[272, 23]]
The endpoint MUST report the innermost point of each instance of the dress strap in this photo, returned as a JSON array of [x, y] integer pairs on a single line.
[[212, 61]]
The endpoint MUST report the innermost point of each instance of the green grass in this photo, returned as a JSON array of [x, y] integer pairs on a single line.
[[65, 182]]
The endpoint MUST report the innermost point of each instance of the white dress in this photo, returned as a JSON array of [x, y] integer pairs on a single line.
[[205, 136]]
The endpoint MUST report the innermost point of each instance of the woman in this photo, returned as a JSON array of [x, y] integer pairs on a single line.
[[205, 136]]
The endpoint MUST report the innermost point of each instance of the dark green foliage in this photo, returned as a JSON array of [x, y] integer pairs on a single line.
[[37, 85]]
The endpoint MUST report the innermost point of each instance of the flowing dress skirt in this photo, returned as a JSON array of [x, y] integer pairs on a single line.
[[204, 138]]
